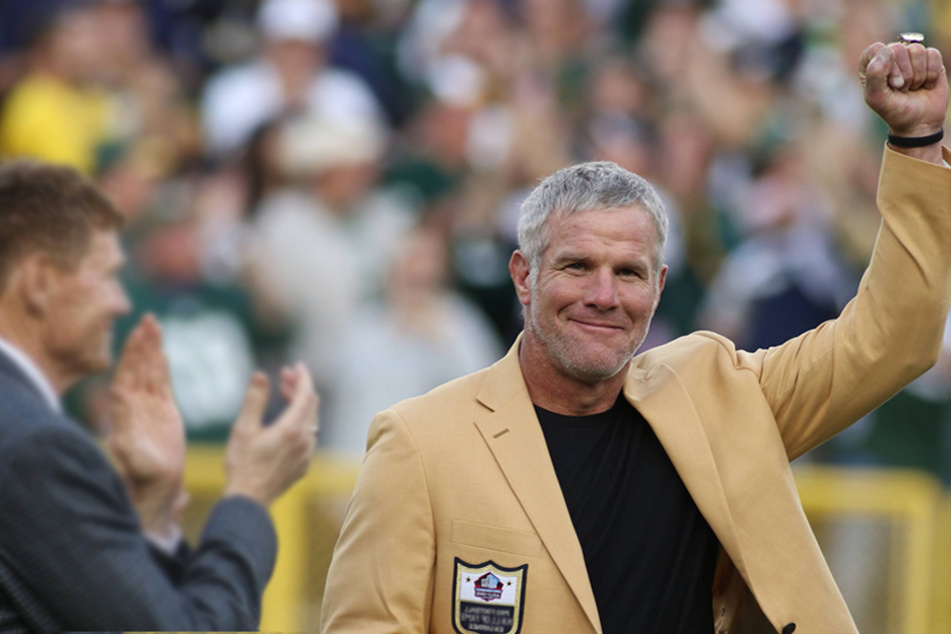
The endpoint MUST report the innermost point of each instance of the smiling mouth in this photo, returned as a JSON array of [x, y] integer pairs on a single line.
[[595, 325]]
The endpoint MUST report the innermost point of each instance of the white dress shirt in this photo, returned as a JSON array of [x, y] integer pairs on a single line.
[[33, 373]]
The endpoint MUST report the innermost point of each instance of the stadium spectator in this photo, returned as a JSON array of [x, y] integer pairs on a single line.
[[418, 335], [212, 333], [785, 277], [329, 232], [290, 75], [56, 112]]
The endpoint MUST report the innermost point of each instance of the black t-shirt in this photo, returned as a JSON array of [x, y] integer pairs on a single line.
[[650, 554]]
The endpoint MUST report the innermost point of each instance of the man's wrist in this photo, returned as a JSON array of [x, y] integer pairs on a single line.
[[919, 129], [931, 153], [907, 141], [166, 541], [251, 493]]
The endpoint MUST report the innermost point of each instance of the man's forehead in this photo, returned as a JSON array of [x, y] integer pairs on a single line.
[[630, 231], [632, 207], [634, 217], [105, 247]]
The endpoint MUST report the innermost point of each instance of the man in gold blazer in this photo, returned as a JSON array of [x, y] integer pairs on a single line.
[[501, 502]]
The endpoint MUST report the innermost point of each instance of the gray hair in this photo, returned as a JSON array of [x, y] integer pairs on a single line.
[[593, 186]]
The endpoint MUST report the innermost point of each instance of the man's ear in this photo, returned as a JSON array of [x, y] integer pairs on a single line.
[[662, 279], [519, 270], [36, 279]]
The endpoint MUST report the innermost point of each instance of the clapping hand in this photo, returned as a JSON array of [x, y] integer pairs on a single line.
[[147, 434], [263, 461]]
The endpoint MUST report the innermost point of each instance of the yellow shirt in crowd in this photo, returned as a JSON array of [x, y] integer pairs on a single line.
[[45, 118]]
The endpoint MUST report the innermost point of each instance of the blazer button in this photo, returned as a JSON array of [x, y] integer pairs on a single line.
[[789, 628]]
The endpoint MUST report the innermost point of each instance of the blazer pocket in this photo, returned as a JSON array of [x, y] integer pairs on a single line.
[[494, 538]]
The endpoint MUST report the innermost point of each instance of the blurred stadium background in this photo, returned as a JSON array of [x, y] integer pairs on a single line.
[[339, 180]]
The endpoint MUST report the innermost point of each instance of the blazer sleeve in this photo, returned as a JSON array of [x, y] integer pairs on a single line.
[[73, 543], [381, 578], [821, 382], [172, 564]]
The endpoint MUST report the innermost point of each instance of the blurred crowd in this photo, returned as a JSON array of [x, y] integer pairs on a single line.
[[339, 180]]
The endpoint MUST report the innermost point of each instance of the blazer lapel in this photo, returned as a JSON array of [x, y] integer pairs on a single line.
[[663, 401], [515, 438]]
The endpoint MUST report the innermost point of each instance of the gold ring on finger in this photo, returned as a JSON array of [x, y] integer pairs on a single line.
[[911, 38]]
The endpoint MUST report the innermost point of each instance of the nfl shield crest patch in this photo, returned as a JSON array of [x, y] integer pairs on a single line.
[[487, 598]]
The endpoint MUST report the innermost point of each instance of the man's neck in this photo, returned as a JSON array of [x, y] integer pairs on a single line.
[[32, 371], [557, 391], [27, 343]]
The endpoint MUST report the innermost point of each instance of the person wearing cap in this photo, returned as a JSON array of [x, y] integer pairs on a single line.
[[290, 75], [329, 232], [575, 487]]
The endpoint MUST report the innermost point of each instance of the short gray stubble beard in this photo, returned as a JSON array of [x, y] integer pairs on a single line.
[[560, 353]]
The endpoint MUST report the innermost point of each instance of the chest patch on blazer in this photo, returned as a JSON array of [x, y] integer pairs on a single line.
[[487, 598]]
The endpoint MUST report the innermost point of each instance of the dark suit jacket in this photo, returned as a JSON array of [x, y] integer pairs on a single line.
[[72, 553]]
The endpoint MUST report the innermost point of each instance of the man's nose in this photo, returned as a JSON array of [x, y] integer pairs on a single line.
[[602, 291]]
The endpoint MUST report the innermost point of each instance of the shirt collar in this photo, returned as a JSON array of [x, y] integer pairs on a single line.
[[33, 374]]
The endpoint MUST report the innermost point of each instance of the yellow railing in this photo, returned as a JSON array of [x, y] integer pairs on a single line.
[[292, 599], [907, 506], [941, 590]]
